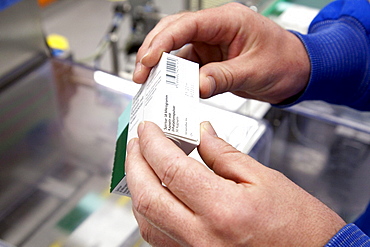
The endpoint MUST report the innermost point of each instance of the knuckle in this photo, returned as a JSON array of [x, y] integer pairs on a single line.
[[141, 51], [275, 175], [236, 6], [229, 155], [232, 5], [168, 20], [172, 170], [164, 21], [145, 143], [146, 232], [222, 221], [227, 77], [143, 203]]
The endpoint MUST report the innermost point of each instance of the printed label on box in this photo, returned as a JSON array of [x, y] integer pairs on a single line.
[[169, 98]]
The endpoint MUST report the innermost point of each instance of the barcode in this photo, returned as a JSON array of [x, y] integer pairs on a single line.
[[171, 71]]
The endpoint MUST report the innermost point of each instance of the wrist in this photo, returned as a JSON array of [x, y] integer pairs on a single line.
[[292, 70]]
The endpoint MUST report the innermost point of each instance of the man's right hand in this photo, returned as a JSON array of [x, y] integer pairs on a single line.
[[239, 51]]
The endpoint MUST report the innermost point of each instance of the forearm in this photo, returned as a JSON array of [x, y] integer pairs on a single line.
[[338, 45]]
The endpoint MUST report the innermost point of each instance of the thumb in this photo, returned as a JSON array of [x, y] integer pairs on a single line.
[[225, 160], [220, 77]]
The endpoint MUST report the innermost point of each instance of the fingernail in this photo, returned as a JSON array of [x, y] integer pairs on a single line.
[[146, 54], [207, 86], [140, 128], [131, 144], [138, 67], [212, 84], [209, 129]]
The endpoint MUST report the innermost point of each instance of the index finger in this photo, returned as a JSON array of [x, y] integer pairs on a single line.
[[211, 26], [163, 24], [153, 204], [142, 71]]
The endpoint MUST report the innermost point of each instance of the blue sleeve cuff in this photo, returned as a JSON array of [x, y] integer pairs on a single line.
[[338, 45], [363, 222], [7, 3], [349, 235]]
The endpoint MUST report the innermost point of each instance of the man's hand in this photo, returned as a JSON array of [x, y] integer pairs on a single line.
[[240, 51], [240, 203]]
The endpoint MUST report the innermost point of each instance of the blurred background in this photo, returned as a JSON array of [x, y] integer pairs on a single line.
[[65, 78]]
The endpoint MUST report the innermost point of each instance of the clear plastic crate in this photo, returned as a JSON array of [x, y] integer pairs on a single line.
[[326, 150]]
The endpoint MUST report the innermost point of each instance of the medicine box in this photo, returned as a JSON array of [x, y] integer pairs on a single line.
[[170, 99]]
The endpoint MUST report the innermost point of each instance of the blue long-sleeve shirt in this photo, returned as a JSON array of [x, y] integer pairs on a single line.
[[338, 45], [6, 3]]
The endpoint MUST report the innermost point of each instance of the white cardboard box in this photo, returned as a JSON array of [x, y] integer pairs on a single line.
[[170, 99]]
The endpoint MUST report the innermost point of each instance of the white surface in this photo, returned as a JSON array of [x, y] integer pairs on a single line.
[[116, 83], [100, 228], [240, 131]]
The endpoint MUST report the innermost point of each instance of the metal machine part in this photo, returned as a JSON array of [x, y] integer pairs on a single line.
[[111, 38], [22, 44], [144, 16]]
